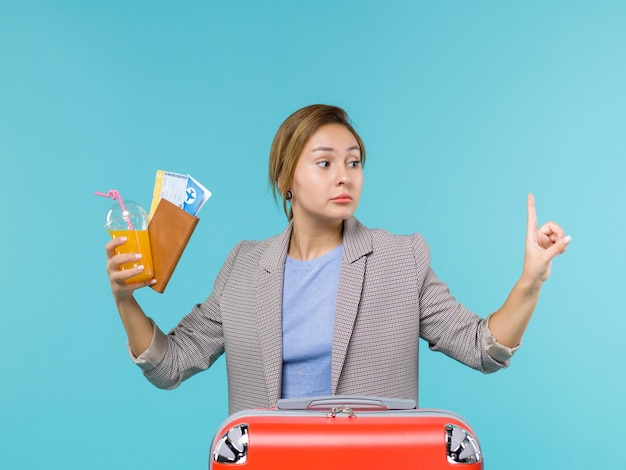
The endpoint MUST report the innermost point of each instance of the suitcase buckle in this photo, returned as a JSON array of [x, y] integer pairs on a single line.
[[232, 447], [461, 446], [340, 409]]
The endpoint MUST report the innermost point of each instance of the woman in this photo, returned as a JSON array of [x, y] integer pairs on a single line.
[[328, 306]]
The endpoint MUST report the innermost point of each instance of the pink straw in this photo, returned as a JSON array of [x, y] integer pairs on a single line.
[[115, 195]]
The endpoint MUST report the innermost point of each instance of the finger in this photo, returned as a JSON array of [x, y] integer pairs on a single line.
[[549, 234], [121, 278], [113, 244], [140, 284], [123, 266], [136, 285], [553, 231], [122, 288], [559, 247], [123, 258], [531, 223]]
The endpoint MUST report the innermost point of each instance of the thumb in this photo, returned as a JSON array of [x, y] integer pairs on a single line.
[[559, 247]]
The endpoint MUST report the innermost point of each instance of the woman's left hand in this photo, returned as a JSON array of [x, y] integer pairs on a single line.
[[543, 244]]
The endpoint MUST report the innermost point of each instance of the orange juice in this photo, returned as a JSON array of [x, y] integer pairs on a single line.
[[137, 242]]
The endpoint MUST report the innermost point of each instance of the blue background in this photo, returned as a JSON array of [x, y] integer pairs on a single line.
[[465, 107]]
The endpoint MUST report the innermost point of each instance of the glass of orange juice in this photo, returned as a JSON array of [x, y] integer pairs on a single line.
[[132, 223]]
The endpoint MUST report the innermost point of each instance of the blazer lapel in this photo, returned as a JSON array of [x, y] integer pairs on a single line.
[[269, 310], [357, 244]]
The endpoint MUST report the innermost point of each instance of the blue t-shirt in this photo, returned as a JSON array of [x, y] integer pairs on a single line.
[[309, 299]]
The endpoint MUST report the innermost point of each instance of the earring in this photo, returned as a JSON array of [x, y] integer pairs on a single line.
[[288, 195]]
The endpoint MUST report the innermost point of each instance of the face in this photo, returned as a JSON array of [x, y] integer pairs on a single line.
[[328, 177]]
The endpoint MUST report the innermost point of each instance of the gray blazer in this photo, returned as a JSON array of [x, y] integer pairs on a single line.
[[388, 297]]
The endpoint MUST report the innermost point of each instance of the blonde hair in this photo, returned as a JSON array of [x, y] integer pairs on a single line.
[[292, 136]]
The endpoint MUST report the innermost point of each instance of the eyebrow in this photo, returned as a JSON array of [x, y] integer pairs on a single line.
[[322, 148]]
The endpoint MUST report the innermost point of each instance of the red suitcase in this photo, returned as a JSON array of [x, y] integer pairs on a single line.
[[342, 432]]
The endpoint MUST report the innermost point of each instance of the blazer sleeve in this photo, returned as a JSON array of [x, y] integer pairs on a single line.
[[447, 325], [197, 341]]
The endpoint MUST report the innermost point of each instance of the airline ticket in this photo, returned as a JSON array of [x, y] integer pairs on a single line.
[[182, 190]]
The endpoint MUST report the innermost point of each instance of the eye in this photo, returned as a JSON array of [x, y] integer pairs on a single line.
[[323, 163], [354, 163]]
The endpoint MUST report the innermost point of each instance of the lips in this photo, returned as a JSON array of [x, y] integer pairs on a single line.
[[342, 198]]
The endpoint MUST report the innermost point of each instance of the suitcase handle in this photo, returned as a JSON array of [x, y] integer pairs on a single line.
[[328, 403]]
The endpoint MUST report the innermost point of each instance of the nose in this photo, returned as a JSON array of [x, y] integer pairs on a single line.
[[343, 177]]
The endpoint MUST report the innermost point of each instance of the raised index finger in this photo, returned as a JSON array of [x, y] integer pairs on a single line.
[[531, 223]]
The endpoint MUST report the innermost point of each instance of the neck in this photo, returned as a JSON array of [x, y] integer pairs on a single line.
[[310, 242]]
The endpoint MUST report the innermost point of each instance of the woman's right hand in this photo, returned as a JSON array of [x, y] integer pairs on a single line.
[[117, 278]]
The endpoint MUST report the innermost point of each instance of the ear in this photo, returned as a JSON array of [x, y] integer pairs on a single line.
[[282, 186]]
